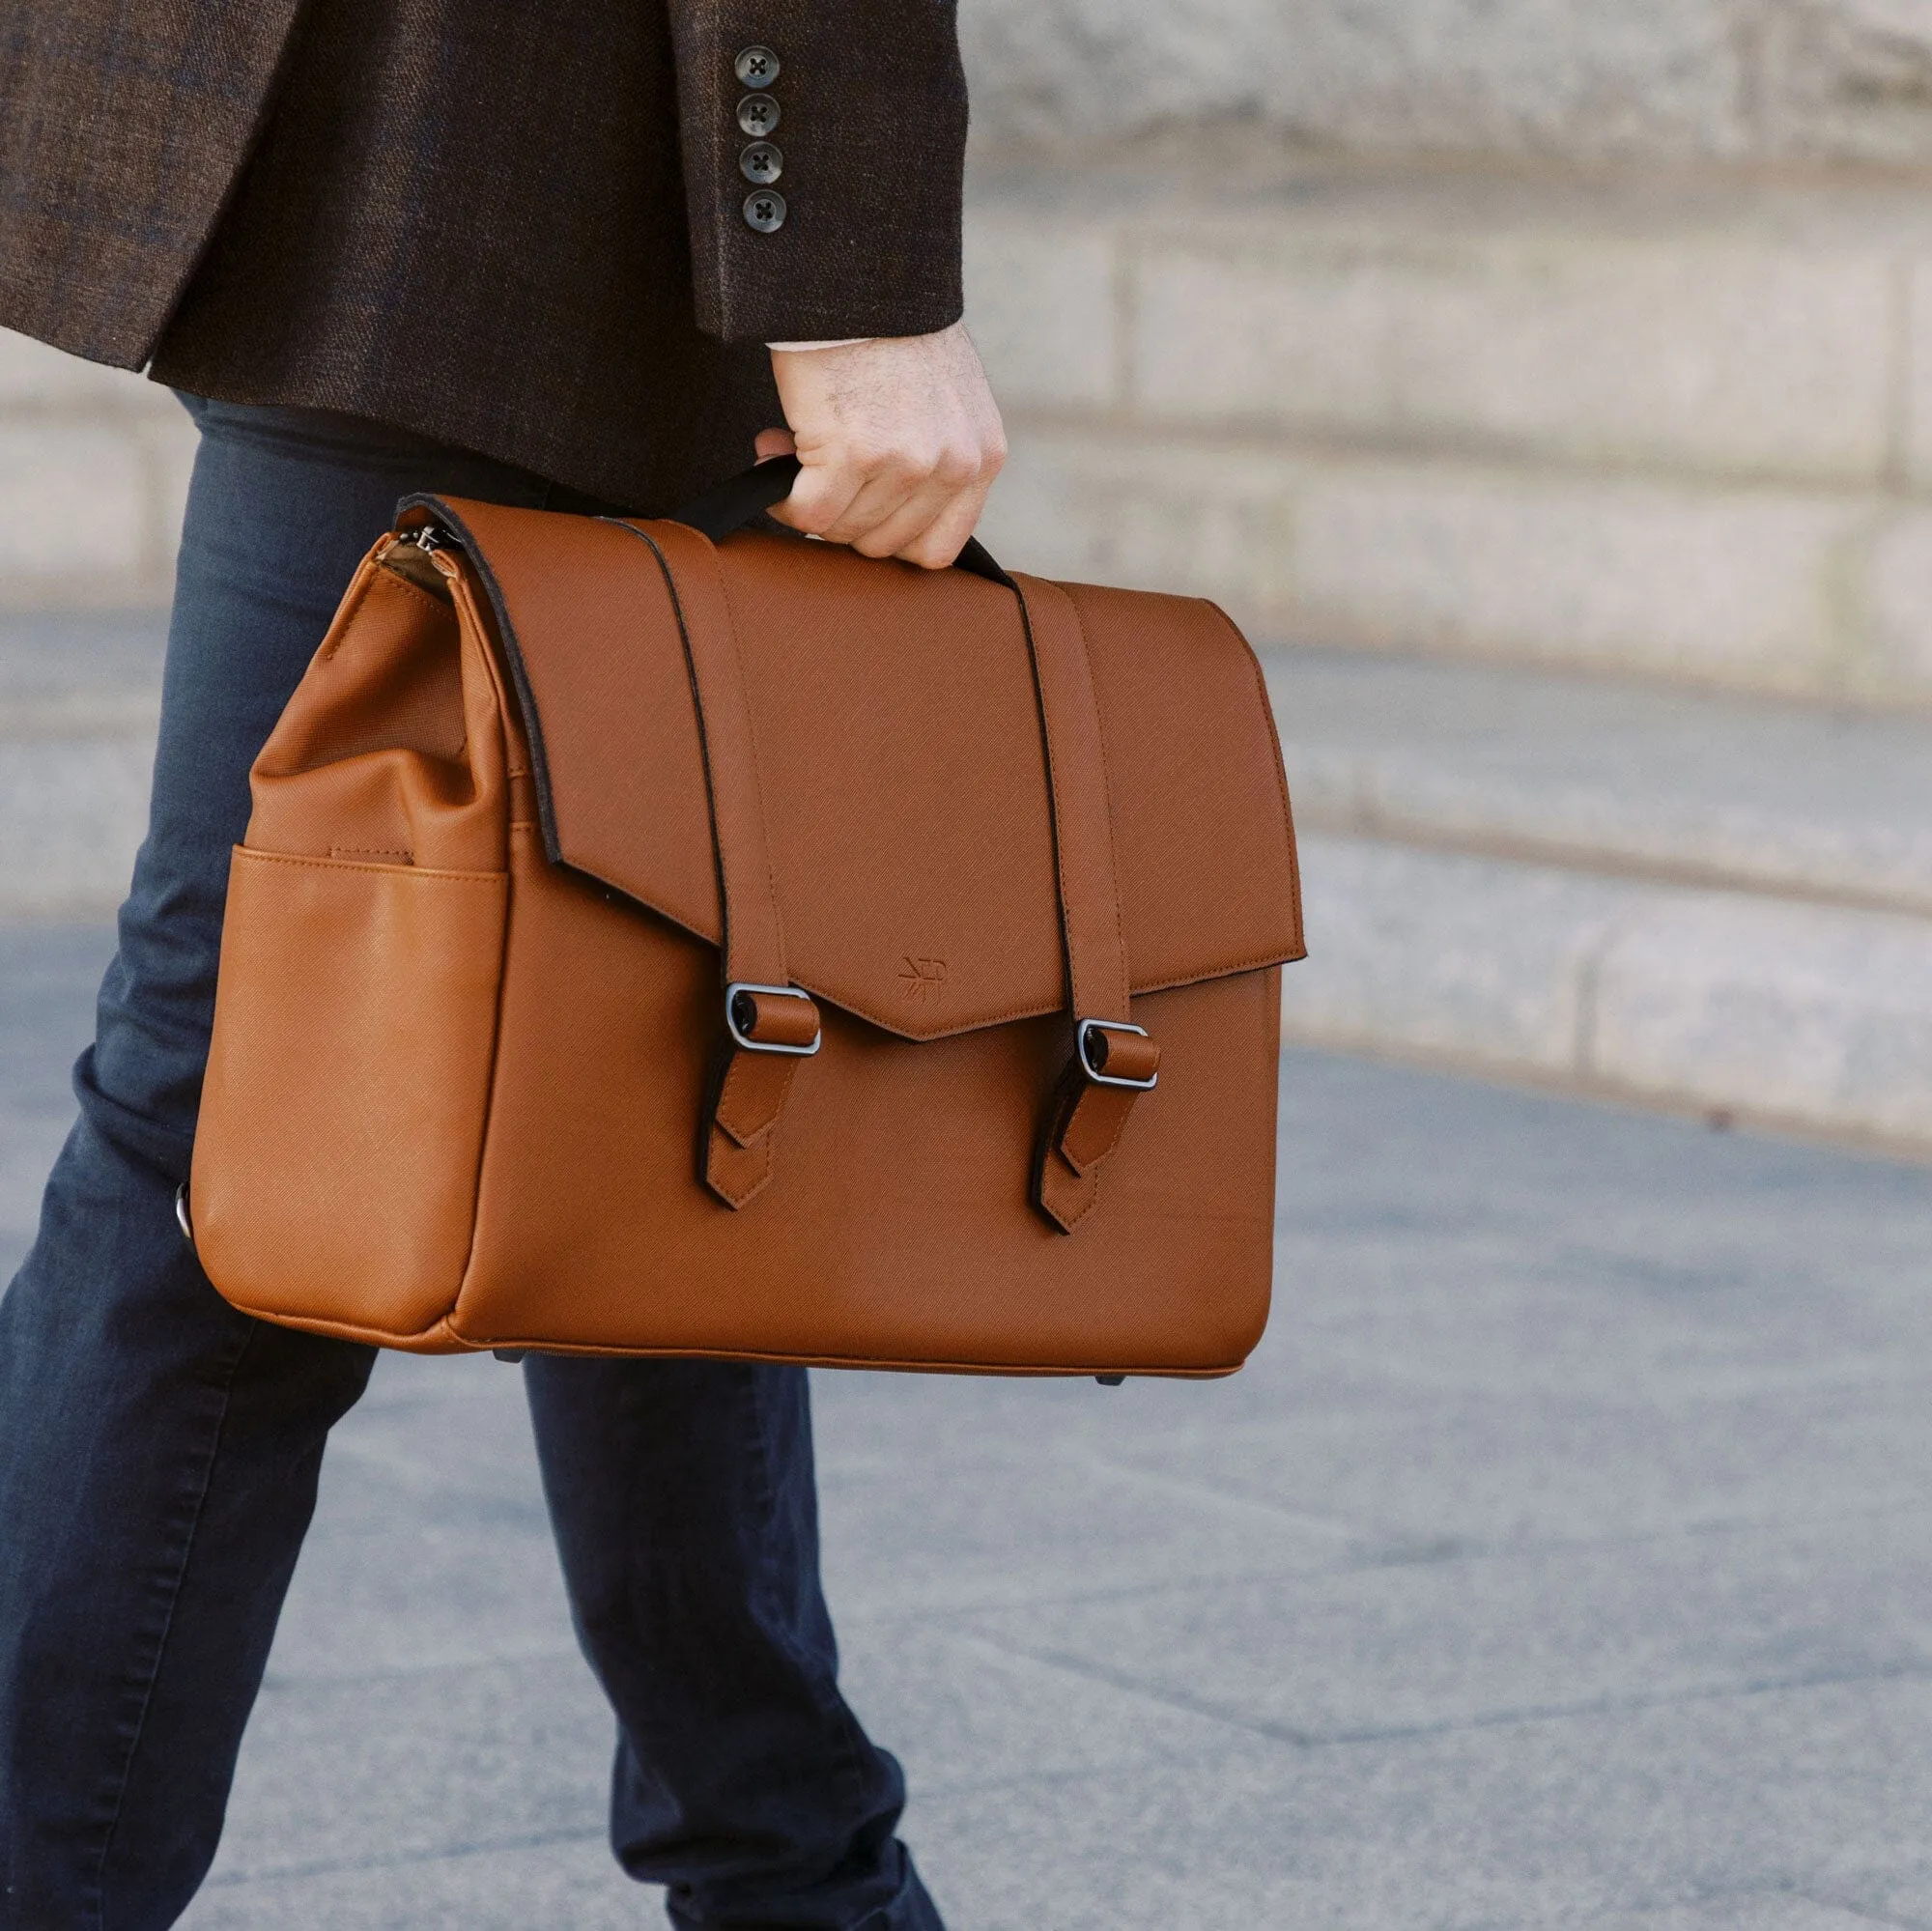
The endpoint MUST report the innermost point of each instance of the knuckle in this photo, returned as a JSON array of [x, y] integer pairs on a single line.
[[957, 466], [909, 464]]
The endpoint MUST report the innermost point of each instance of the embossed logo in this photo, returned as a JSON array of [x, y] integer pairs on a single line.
[[922, 979]]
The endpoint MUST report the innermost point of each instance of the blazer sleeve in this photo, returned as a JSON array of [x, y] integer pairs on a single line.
[[824, 149]]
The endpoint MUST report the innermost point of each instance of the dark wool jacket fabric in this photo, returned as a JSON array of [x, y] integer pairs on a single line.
[[515, 225]]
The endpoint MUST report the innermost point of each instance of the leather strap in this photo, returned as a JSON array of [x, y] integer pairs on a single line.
[[1088, 1116], [749, 1087]]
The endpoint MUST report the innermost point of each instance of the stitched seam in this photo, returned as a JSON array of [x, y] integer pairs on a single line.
[[1280, 769], [710, 562], [1080, 1009], [395, 575], [351, 605], [436, 873], [1086, 1185], [248, 1335], [1251, 963], [703, 735], [488, 1090], [722, 1161], [1053, 791], [1092, 1184], [1106, 796]]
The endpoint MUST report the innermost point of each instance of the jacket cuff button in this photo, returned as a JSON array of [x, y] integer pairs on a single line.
[[758, 115], [756, 66], [765, 210]]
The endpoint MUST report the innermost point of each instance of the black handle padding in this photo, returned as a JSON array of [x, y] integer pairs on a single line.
[[733, 503]]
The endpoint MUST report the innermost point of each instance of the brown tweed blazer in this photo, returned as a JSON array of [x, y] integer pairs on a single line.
[[516, 225]]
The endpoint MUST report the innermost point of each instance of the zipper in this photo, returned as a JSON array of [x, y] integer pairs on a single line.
[[417, 557]]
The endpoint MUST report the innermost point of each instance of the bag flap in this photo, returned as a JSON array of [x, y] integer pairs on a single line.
[[900, 762]]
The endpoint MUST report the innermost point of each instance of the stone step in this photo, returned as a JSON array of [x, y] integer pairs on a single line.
[[1676, 426], [1795, 800], [1685, 901], [1800, 1017]]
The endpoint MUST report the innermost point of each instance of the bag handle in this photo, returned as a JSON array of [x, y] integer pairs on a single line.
[[734, 502]]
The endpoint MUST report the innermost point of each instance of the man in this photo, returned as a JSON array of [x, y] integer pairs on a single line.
[[580, 257]]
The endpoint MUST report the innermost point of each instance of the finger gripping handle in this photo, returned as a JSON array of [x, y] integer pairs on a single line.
[[733, 503]]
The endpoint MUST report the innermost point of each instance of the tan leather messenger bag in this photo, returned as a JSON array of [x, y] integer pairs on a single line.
[[652, 945]]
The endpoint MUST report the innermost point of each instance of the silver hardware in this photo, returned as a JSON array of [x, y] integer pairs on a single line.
[[745, 1040], [1084, 1034], [427, 538], [182, 1219]]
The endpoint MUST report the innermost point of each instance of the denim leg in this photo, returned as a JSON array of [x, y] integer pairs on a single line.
[[683, 1498], [158, 1451]]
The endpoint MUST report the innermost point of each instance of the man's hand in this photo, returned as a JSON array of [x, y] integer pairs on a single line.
[[901, 439]]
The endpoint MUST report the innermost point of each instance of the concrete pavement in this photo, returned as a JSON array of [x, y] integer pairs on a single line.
[[1565, 1558]]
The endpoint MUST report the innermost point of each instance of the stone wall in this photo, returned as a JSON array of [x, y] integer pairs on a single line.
[[94, 468], [1739, 80]]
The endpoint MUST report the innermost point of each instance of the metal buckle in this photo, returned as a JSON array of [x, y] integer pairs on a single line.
[[1086, 1030], [745, 1040]]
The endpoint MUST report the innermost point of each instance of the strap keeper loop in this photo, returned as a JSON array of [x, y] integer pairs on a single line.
[[743, 1016], [1092, 1037]]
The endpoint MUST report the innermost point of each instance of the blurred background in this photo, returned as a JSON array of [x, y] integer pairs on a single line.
[[1546, 386]]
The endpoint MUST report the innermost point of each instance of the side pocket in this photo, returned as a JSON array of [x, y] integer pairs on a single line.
[[343, 1114]]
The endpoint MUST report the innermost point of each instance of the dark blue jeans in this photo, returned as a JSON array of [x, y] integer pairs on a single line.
[[158, 1451]]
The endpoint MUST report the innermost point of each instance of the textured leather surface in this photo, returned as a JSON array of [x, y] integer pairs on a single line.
[[341, 1114], [902, 764], [472, 1076]]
